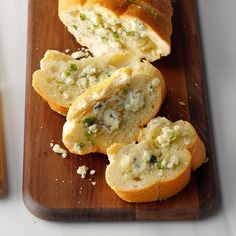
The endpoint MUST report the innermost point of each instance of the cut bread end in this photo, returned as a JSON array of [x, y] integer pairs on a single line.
[[106, 27]]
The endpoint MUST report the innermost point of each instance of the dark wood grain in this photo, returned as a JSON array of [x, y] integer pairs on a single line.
[[51, 186]]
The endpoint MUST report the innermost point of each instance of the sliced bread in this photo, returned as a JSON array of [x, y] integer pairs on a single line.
[[159, 165], [104, 26], [114, 110], [61, 79]]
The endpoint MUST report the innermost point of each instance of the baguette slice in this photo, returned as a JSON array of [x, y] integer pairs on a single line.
[[159, 166], [114, 110], [104, 26], [62, 79]]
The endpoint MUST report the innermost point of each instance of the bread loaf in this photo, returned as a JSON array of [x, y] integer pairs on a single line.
[[61, 79], [104, 26], [159, 165], [114, 110]]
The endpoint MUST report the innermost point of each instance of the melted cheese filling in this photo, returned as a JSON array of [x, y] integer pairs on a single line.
[[154, 154], [69, 78], [111, 33]]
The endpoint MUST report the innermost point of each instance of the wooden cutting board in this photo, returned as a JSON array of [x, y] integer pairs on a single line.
[[52, 189]]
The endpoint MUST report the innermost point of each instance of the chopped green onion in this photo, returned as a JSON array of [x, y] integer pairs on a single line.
[[159, 165], [115, 36], [95, 26], [88, 121], [75, 27], [82, 16], [125, 90], [59, 82], [90, 138], [173, 138], [73, 67]]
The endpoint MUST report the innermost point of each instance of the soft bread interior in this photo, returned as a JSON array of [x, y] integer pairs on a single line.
[[114, 110], [160, 164], [104, 31], [62, 79]]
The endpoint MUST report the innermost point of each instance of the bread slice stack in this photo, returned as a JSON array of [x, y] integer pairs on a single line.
[[141, 26], [159, 165], [114, 110], [61, 79], [109, 98]]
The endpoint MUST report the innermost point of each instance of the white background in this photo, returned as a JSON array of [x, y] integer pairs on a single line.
[[218, 25]]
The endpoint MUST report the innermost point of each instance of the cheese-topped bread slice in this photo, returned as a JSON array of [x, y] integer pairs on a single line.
[[159, 165], [61, 79], [114, 110], [104, 26]]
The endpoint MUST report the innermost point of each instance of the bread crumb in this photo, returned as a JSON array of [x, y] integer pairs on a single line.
[[57, 149], [41, 127], [82, 170], [67, 50], [51, 145], [92, 172], [93, 183], [77, 54], [196, 84], [182, 103], [56, 179]]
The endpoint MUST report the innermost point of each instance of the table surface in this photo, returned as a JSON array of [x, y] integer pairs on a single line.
[[219, 37]]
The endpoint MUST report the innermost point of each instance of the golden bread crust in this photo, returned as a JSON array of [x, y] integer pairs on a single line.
[[163, 187]]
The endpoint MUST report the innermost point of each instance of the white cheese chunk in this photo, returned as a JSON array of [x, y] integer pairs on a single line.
[[111, 119], [82, 170], [57, 149], [134, 101]]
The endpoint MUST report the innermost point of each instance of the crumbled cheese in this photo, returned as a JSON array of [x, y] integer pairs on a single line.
[[51, 145], [111, 119], [93, 129], [93, 183], [69, 80], [134, 101], [66, 95], [168, 135], [88, 71], [82, 170], [92, 172], [182, 103], [67, 50], [78, 54], [57, 149]]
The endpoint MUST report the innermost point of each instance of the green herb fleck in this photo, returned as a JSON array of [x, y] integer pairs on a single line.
[[90, 138], [173, 138], [59, 82], [95, 26], [115, 36], [82, 16], [88, 121], [75, 27], [125, 90], [73, 67], [159, 165], [104, 38]]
